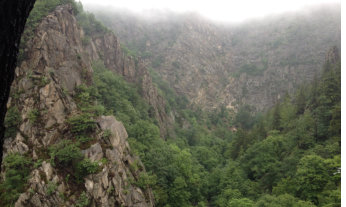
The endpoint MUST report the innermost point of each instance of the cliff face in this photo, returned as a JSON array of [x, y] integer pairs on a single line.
[[56, 63], [107, 47], [252, 63]]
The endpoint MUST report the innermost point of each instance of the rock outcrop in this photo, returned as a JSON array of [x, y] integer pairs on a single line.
[[56, 63], [133, 70]]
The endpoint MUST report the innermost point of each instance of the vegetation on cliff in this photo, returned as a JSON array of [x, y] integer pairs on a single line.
[[290, 154], [287, 156]]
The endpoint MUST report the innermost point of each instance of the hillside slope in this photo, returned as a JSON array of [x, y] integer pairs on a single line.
[[252, 63]]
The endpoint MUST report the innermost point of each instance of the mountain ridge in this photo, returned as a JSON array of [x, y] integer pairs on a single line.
[[223, 65]]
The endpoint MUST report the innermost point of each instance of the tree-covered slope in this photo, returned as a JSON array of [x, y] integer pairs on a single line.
[[63, 146]]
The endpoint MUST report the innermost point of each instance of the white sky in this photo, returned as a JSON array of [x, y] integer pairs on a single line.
[[231, 10]]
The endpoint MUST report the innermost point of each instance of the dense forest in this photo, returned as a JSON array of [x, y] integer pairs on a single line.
[[286, 156]]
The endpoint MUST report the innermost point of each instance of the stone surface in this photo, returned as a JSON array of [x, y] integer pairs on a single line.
[[47, 79], [201, 59]]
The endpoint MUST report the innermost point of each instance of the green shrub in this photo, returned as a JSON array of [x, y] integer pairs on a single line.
[[83, 200], [145, 180], [82, 124], [106, 134], [83, 139], [65, 153], [97, 110], [86, 167], [33, 115], [12, 121], [51, 188], [43, 81], [17, 169]]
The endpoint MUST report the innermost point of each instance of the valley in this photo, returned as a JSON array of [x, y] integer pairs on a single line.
[[110, 109]]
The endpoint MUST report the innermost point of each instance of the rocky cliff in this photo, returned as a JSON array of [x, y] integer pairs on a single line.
[[56, 63], [253, 63], [107, 48]]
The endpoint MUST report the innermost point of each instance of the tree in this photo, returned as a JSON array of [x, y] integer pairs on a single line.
[[276, 121], [243, 202], [312, 176], [284, 200], [17, 170], [263, 160]]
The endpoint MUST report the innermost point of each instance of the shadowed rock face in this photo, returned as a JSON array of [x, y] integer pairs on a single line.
[[13, 15]]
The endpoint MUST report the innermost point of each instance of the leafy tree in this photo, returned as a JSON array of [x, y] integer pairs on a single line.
[[244, 117], [82, 124], [86, 167], [65, 153], [17, 168], [12, 120], [284, 200], [243, 202], [276, 120], [312, 175], [263, 160]]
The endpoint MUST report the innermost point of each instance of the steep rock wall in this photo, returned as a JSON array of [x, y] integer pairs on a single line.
[[55, 64], [107, 48], [256, 62]]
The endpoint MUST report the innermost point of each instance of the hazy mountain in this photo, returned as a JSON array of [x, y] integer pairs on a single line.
[[215, 64]]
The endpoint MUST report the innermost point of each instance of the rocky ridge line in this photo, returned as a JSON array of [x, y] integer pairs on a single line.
[[56, 63]]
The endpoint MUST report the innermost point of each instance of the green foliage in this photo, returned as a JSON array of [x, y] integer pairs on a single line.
[[33, 115], [107, 134], [286, 157], [12, 120], [284, 200], [86, 167], [129, 52], [43, 81], [83, 200], [17, 169], [311, 176], [89, 23], [166, 91], [82, 124], [263, 160], [146, 180], [243, 202], [208, 162], [157, 61], [51, 188], [118, 96], [244, 118], [65, 153]]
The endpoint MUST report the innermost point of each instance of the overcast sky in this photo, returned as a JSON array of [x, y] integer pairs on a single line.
[[223, 10]]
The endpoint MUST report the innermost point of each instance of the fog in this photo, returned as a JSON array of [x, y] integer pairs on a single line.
[[219, 10]]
